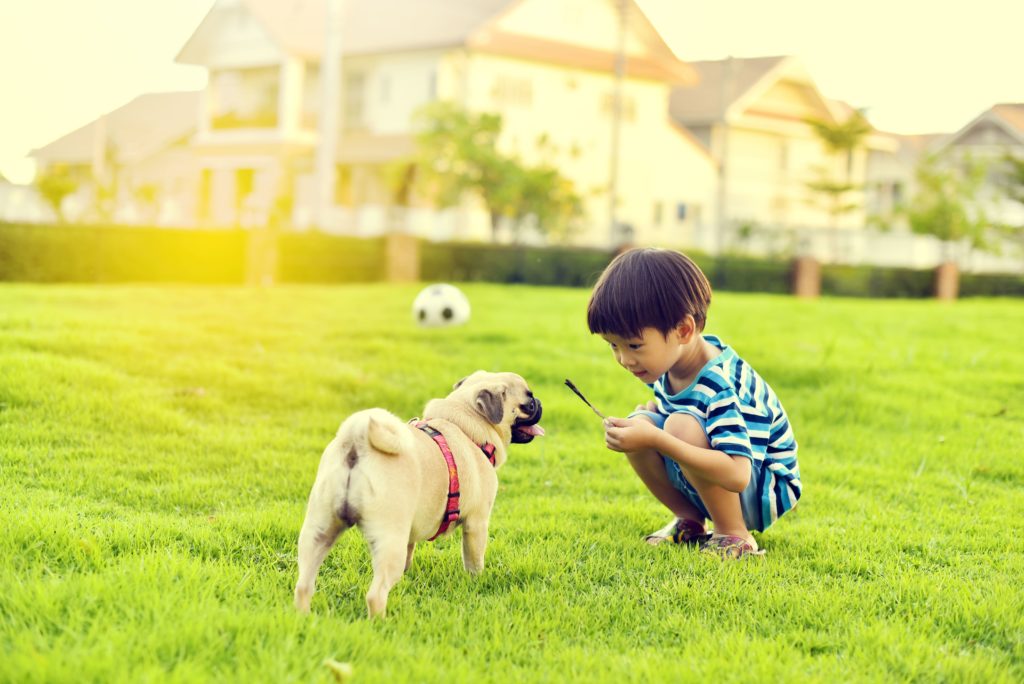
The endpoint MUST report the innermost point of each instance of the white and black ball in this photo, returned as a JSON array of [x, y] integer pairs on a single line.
[[439, 305]]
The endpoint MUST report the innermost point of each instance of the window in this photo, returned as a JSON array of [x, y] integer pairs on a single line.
[[681, 212], [343, 185], [244, 181], [205, 195], [509, 91], [659, 210], [354, 116], [628, 106], [244, 98]]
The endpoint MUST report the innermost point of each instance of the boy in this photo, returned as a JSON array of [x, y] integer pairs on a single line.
[[715, 442]]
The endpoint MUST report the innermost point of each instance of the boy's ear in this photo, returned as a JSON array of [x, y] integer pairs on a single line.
[[686, 329]]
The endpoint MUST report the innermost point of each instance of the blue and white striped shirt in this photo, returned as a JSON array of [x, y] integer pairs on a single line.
[[742, 417]]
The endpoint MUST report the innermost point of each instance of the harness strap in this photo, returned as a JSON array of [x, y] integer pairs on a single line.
[[487, 447], [488, 450], [451, 511]]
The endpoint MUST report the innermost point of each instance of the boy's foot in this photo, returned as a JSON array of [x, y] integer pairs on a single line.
[[730, 547], [680, 531]]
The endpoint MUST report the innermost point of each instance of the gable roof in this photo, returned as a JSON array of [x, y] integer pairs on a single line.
[[1012, 114], [704, 102], [367, 26], [136, 130], [1007, 116], [381, 26]]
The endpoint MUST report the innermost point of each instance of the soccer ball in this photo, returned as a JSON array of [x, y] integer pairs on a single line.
[[439, 305]]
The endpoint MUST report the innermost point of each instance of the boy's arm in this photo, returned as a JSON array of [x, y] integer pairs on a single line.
[[717, 467]]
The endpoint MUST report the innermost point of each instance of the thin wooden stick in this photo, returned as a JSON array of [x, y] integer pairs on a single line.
[[568, 383]]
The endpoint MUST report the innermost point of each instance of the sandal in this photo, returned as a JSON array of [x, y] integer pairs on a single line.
[[729, 547], [680, 531]]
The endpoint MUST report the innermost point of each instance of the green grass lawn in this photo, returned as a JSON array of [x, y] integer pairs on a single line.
[[157, 447]]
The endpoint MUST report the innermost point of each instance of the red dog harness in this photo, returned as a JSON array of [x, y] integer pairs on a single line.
[[451, 511]]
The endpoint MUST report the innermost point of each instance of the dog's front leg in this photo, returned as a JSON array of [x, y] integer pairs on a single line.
[[474, 545]]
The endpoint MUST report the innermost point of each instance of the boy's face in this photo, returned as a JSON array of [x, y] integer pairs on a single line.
[[649, 356]]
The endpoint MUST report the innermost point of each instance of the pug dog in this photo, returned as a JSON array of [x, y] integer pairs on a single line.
[[393, 481]]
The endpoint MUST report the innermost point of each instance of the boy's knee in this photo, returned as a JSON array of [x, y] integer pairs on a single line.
[[685, 427]]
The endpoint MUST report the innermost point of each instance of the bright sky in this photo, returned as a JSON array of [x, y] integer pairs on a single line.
[[918, 66]]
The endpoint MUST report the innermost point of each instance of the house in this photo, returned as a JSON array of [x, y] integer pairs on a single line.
[[891, 177], [133, 165], [547, 66], [22, 204], [989, 138], [752, 116]]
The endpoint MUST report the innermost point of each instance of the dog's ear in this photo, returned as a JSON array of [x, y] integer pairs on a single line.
[[489, 405]]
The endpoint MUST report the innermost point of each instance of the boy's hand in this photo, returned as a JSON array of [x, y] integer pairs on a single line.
[[629, 434], [649, 406]]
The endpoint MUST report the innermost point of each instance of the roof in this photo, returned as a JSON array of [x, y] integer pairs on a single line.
[[367, 26], [375, 149], [1012, 114], [1007, 116], [146, 125], [382, 26], [706, 101]]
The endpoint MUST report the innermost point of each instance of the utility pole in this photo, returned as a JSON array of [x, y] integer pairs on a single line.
[[613, 181], [330, 113], [725, 93]]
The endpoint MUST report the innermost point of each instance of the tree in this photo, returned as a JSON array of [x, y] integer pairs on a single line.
[[1013, 177], [947, 203], [841, 139], [1011, 182], [55, 184], [458, 153]]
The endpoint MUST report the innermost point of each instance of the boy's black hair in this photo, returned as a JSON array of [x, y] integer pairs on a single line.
[[648, 288]]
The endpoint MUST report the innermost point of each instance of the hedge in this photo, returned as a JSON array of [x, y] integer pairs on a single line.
[[875, 281], [510, 264], [77, 254], [122, 254], [321, 258]]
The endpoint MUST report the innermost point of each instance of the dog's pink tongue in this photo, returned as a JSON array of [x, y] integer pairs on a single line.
[[535, 430]]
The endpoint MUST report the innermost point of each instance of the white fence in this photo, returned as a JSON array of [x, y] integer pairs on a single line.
[[848, 246]]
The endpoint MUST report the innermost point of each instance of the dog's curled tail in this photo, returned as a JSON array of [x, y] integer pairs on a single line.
[[385, 432]]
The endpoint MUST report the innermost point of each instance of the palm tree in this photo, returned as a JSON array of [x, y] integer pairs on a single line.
[[840, 139]]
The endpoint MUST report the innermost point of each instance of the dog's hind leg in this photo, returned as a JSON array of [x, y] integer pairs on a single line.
[[408, 555], [389, 558], [319, 532]]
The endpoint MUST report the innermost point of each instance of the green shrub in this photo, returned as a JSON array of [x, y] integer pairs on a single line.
[[744, 274], [991, 285], [316, 257], [463, 262], [875, 281], [120, 254]]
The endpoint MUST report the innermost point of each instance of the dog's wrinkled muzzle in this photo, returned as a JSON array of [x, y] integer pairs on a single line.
[[525, 429]]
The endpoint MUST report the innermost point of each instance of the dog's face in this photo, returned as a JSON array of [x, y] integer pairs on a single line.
[[503, 399]]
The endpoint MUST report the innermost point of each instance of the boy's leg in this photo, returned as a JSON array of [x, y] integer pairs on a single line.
[[723, 505], [650, 467]]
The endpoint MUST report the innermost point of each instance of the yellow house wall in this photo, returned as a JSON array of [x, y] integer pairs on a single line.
[[588, 23], [657, 163], [771, 156]]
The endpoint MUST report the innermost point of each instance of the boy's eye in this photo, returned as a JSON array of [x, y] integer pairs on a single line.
[[634, 347]]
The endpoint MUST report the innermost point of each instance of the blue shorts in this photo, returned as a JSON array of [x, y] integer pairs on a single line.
[[750, 502]]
